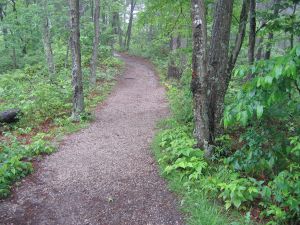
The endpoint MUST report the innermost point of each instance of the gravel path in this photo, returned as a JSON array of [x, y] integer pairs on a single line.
[[104, 174]]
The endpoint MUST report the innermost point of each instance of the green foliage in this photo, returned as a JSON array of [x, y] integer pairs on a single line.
[[267, 107], [260, 169], [173, 144], [10, 171], [283, 196], [272, 93], [239, 191], [180, 153], [181, 104], [252, 158], [43, 103], [34, 94], [13, 153]]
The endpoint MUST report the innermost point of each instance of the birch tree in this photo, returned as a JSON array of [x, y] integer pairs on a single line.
[[78, 97]]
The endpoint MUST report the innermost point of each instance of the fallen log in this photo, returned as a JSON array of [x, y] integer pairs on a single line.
[[10, 116]]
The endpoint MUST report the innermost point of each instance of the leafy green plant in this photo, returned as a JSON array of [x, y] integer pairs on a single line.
[[181, 154], [12, 170], [273, 92], [239, 191], [181, 103], [14, 156], [282, 195], [252, 158], [193, 167]]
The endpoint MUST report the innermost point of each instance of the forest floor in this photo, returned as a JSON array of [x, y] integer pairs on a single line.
[[104, 174]]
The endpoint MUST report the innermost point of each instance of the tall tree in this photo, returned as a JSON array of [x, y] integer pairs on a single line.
[[200, 82], [116, 26], [276, 7], [175, 69], [240, 35], [47, 40], [78, 97], [293, 24], [129, 28], [94, 60], [252, 33], [212, 68]]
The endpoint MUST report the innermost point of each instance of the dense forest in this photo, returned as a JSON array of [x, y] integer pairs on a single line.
[[231, 147]]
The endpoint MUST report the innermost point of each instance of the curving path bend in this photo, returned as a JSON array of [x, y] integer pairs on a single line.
[[104, 174]]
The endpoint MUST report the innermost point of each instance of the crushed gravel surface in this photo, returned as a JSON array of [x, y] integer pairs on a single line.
[[104, 174]]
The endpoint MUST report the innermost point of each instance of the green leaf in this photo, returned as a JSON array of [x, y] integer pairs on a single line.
[[244, 118], [268, 79], [259, 111], [13, 170], [278, 71], [227, 205], [236, 202]]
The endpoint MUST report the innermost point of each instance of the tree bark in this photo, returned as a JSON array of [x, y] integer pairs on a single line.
[[117, 27], [67, 52], [252, 33], [173, 70], [129, 28], [78, 97], [259, 49], [240, 35], [14, 58], [47, 41], [199, 83], [210, 77], [293, 24], [94, 60], [271, 34], [259, 52], [92, 9], [218, 60]]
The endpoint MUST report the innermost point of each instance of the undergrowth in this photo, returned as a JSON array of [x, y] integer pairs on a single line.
[[45, 108], [255, 166]]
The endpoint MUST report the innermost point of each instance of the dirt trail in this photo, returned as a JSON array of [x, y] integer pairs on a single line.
[[104, 174]]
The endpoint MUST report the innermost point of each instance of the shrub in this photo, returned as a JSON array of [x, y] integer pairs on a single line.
[[180, 152]]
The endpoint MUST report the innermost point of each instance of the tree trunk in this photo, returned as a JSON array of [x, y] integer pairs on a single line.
[[67, 52], [14, 58], [175, 69], [78, 97], [293, 24], [240, 35], [252, 33], [47, 41], [271, 34], [117, 27], [92, 9], [128, 33], [94, 59], [259, 49], [199, 83], [210, 77], [218, 60]]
